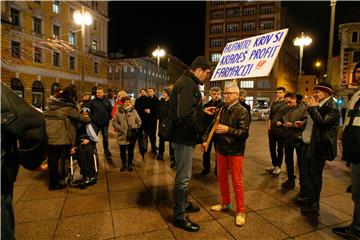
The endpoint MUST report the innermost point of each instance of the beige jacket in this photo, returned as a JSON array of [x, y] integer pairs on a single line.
[[120, 124]]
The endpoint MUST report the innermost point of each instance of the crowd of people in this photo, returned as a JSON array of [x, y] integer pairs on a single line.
[[308, 126]]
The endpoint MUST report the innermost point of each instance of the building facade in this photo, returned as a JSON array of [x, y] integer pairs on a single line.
[[42, 47], [228, 21], [133, 74]]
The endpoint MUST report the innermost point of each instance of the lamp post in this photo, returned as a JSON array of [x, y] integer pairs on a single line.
[[83, 18], [331, 40], [301, 42], [158, 53], [318, 65]]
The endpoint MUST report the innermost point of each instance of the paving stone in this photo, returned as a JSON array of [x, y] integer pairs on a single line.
[[257, 200], [85, 204], [320, 234], [36, 230], [341, 202], [158, 235]]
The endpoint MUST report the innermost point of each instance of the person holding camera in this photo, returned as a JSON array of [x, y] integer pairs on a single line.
[[127, 123]]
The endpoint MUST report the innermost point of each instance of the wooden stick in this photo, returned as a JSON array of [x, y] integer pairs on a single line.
[[217, 120]]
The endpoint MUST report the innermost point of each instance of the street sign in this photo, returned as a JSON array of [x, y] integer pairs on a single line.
[[249, 57]]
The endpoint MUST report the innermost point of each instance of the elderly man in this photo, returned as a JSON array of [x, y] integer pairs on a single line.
[[320, 144], [351, 153], [216, 102], [186, 112], [232, 131]]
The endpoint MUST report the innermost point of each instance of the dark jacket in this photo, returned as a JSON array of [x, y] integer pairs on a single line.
[[277, 111], [324, 133], [100, 111], [150, 119], [20, 123], [140, 107], [233, 142], [297, 113], [162, 109], [186, 110], [209, 118]]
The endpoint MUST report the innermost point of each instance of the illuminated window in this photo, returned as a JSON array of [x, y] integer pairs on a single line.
[[72, 62], [94, 45], [56, 59], [215, 57], [37, 55], [56, 6], [247, 84], [72, 38]]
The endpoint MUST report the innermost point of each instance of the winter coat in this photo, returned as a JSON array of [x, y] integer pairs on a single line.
[[140, 108], [277, 111], [162, 109], [186, 110], [100, 111], [65, 114], [324, 133], [296, 113], [351, 135], [233, 142], [149, 120], [120, 123]]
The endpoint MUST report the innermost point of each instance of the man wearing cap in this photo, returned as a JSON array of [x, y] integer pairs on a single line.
[[320, 144], [351, 153], [186, 112], [242, 100]]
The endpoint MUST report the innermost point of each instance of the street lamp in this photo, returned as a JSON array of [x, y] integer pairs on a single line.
[[318, 65], [301, 42], [158, 53], [83, 18]]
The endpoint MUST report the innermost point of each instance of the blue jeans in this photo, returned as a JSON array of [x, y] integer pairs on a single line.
[[104, 131], [355, 189], [183, 164], [7, 216]]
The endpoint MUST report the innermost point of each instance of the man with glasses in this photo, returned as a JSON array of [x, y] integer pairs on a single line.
[[232, 132]]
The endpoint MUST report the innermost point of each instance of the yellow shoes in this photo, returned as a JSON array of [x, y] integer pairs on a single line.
[[219, 207], [240, 219]]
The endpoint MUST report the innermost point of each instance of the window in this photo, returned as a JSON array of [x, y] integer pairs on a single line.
[[231, 39], [96, 67], [132, 69], [56, 59], [94, 45], [72, 38], [125, 68], [56, 32], [37, 94], [232, 27], [215, 42], [56, 6], [266, 10], [263, 83], [217, 3], [249, 11], [215, 57], [247, 84], [233, 12], [248, 26], [216, 29], [17, 87], [356, 57], [72, 62], [354, 37], [94, 5], [266, 24], [37, 55], [15, 49], [37, 25], [217, 14], [15, 17]]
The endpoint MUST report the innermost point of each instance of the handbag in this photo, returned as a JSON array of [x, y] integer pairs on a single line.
[[132, 133], [166, 129]]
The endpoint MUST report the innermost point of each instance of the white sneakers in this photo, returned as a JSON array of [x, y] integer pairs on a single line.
[[274, 170], [240, 219]]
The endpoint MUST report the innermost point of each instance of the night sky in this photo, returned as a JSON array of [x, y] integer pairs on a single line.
[[179, 27]]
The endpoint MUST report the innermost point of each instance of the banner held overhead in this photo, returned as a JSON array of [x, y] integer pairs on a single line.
[[249, 57]]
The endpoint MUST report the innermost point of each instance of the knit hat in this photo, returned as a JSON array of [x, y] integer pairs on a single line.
[[325, 87], [200, 62], [85, 109], [168, 91]]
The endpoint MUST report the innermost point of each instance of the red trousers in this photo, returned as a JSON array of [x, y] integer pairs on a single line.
[[235, 164]]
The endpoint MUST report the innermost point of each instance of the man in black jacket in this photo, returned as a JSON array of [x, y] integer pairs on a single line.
[[215, 102], [150, 120], [320, 143], [351, 153], [162, 113], [186, 112], [242, 100], [232, 132], [100, 110], [140, 108], [20, 123]]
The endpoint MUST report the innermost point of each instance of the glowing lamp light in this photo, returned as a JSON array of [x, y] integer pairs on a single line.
[[302, 41], [82, 18], [158, 53]]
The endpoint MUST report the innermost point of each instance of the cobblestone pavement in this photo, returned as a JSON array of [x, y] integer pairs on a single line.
[[138, 204]]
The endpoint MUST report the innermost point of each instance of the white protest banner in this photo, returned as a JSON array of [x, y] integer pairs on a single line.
[[249, 57]]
